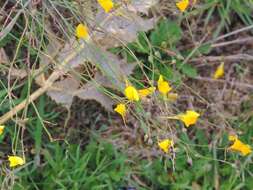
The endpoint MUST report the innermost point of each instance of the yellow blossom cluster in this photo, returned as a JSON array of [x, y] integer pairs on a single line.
[[134, 95], [189, 118], [163, 86]]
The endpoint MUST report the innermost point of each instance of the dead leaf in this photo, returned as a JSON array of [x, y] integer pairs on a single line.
[[141, 6], [124, 67], [18, 73], [90, 91], [111, 66], [78, 59], [40, 79], [121, 28], [62, 92], [53, 48], [117, 29], [3, 57]]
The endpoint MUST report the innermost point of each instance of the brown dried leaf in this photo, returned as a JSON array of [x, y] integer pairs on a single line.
[[3, 57], [70, 47], [124, 27], [121, 28], [40, 79], [125, 68], [63, 91], [18, 73], [91, 92], [51, 51], [114, 69], [141, 6]]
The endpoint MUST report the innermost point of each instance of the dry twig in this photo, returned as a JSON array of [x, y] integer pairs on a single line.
[[237, 84], [237, 57]]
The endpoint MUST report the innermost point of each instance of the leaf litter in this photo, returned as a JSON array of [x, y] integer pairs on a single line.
[[121, 27]]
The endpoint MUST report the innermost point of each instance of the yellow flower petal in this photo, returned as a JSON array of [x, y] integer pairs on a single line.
[[146, 92], [165, 145], [163, 86], [219, 71], [107, 5], [232, 137], [172, 96], [182, 5], [121, 109], [131, 93], [15, 161], [189, 118], [1, 129], [82, 32], [239, 146]]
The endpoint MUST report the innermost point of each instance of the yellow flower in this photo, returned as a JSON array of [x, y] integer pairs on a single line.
[[172, 96], [15, 161], [189, 118], [82, 32], [163, 86], [219, 71], [131, 93], [121, 109], [146, 91], [165, 145], [182, 5], [239, 146], [232, 137], [107, 5], [1, 129]]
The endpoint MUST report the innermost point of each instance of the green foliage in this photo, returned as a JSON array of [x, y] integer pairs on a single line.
[[197, 165], [187, 69], [99, 166], [151, 49], [227, 11], [166, 33]]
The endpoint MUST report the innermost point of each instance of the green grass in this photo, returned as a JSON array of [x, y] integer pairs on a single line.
[[101, 166], [53, 161], [64, 166]]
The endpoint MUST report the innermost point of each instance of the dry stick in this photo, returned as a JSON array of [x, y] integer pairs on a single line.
[[247, 40], [237, 84], [195, 49], [236, 57], [227, 35], [237, 41], [231, 33], [48, 83]]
